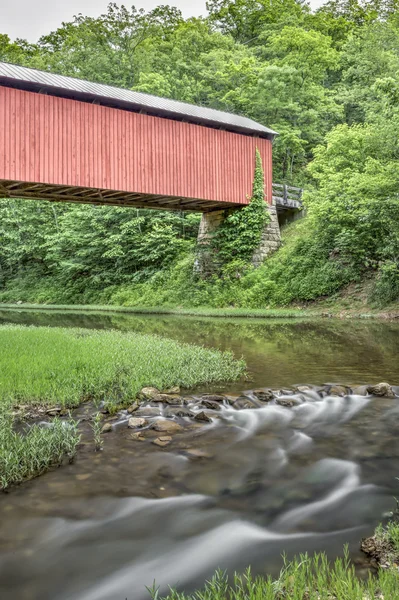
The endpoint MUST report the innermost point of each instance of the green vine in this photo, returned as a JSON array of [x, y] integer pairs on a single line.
[[239, 235]]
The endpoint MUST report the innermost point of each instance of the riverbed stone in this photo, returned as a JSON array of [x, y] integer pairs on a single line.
[[149, 393], [179, 412], [166, 426], [214, 397], [197, 453], [162, 441], [138, 436], [360, 390], [133, 407], [382, 390], [244, 402], [203, 417], [136, 422], [338, 390], [264, 395], [211, 404], [173, 390], [288, 402], [174, 399], [107, 428]]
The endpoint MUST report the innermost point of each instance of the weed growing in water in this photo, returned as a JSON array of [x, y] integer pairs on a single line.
[[96, 425], [26, 454]]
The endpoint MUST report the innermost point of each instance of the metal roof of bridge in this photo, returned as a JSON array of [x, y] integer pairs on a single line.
[[79, 89]]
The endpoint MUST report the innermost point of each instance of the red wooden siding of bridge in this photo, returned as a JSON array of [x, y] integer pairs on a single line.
[[62, 142]]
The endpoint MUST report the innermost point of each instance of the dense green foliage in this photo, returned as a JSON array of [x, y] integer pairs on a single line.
[[326, 80], [239, 235], [304, 578], [69, 366]]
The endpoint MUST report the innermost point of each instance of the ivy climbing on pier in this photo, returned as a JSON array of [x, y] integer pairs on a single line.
[[239, 235]]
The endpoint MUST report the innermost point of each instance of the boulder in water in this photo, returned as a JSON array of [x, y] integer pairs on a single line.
[[171, 399], [137, 422], [211, 404], [265, 395], [107, 428], [382, 390], [360, 390], [244, 402], [338, 390], [214, 397], [165, 426], [149, 393], [288, 402], [202, 416]]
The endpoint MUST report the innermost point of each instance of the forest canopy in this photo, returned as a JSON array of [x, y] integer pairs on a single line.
[[327, 80]]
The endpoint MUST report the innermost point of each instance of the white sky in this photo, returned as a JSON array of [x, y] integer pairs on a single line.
[[30, 19]]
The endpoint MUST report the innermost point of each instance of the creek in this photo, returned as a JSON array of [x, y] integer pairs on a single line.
[[241, 490]]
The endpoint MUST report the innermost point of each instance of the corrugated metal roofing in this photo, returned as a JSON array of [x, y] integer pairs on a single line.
[[35, 80]]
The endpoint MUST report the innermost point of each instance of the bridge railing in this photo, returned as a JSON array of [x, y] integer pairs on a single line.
[[287, 197]]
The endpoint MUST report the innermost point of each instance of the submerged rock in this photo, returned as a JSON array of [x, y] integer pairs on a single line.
[[196, 453], [136, 422], [133, 407], [138, 436], [107, 428], [162, 441], [167, 426], [383, 390], [265, 395]]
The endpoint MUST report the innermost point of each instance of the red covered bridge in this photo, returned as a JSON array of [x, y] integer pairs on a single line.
[[64, 139]]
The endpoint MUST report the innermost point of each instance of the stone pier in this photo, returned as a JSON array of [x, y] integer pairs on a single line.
[[207, 261], [271, 238]]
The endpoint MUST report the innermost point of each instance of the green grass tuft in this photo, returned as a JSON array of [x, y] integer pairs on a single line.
[[24, 455], [304, 578]]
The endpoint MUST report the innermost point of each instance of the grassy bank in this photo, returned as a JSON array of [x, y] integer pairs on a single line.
[[63, 367], [343, 308], [277, 313], [41, 365], [304, 578]]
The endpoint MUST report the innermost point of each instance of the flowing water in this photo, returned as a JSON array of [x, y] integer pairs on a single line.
[[240, 490]]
